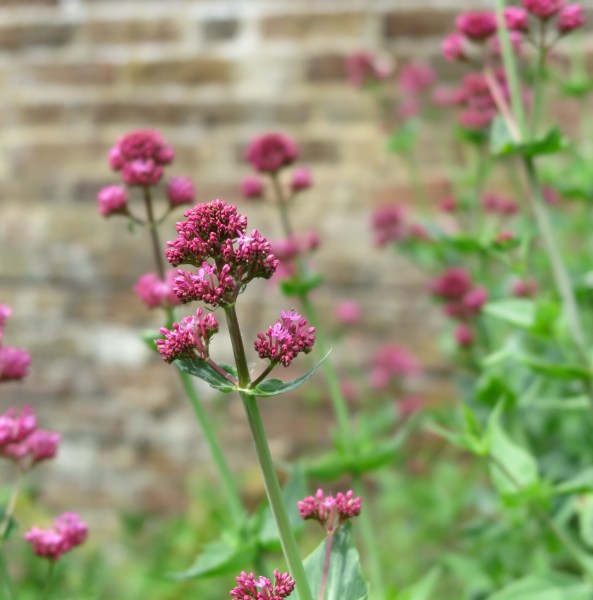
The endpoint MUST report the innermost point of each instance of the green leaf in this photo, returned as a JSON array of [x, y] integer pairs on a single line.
[[512, 467], [273, 387], [463, 440], [330, 466], [344, 578], [423, 589], [301, 285], [473, 136], [402, 140], [549, 586], [516, 311], [579, 484], [219, 558], [502, 142], [554, 369], [584, 508], [294, 490], [202, 370]]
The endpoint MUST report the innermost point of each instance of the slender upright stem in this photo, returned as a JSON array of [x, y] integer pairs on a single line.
[[154, 234], [274, 493], [510, 67], [9, 511], [266, 463], [282, 202], [539, 86], [331, 376], [326, 561], [51, 569], [232, 494], [6, 578], [559, 270], [369, 540]]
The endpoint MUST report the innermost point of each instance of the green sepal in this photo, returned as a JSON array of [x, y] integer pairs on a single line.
[[202, 370], [344, 578]]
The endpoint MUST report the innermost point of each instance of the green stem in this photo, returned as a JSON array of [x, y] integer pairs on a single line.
[[6, 578], [371, 550], [419, 188], [49, 580], [266, 463], [228, 483], [510, 67], [538, 87], [559, 270], [338, 401], [154, 234], [9, 510], [274, 493]]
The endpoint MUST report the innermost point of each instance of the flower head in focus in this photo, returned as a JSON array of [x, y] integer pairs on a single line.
[[250, 588], [285, 339], [330, 511]]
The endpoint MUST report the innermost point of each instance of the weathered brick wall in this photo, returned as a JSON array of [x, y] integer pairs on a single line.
[[210, 74]]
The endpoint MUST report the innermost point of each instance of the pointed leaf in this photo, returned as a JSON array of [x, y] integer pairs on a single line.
[[202, 370], [551, 586], [299, 286], [273, 387], [344, 579], [423, 589], [218, 558], [516, 311], [512, 468], [555, 369]]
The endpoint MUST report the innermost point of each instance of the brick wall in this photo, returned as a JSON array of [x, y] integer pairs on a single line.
[[210, 74]]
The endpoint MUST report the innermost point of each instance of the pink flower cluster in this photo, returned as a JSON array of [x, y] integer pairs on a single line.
[[390, 224], [363, 68], [271, 152], [141, 155], [22, 442], [188, 339], [250, 588], [391, 363], [413, 81], [499, 205], [14, 362], [288, 250], [156, 293], [463, 300], [216, 232], [330, 511], [282, 341], [67, 532]]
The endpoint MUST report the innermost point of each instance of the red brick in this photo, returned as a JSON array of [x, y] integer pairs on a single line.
[[122, 32], [326, 67], [303, 26], [182, 71], [17, 37], [423, 22]]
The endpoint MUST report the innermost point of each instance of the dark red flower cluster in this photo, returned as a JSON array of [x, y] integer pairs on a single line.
[[250, 588], [212, 238], [22, 442], [330, 511], [141, 155], [463, 299], [188, 339], [289, 336], [68, 531], [271, 152]]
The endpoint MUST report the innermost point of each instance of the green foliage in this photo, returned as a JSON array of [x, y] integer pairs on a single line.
[[344, 578]]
